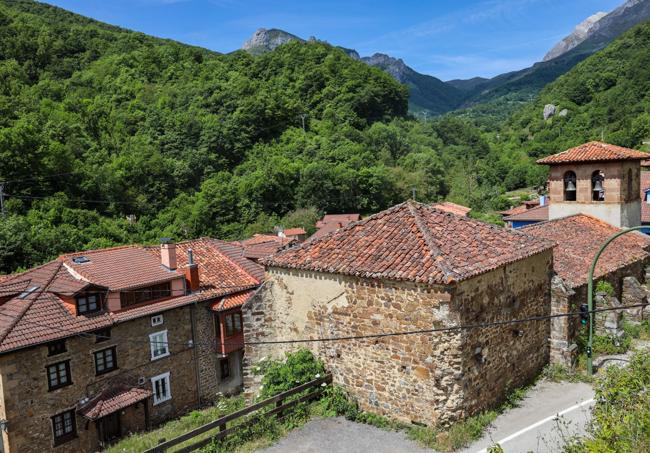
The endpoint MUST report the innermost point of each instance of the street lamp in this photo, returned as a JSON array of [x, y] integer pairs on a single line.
[[590, 291]]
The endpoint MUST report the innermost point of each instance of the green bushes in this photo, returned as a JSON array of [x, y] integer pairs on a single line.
[[621, 416]]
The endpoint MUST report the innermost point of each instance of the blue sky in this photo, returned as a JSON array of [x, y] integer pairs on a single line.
[[446, 39]]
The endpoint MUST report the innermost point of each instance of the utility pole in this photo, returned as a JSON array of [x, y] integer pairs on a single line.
[[2, 200], [413, 189], [302, 117]]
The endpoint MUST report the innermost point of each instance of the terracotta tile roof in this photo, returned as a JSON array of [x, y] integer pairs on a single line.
[[263, 245], [41, 316], [232, 301], [594, 152], [294, 231], [514, 210], [454, 208], [112, 400], [645, 163], [335, 218], [415, 242], [536, 214], [120, 268], [579, 238]]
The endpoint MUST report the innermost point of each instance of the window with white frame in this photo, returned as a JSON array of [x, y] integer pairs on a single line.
[[159, 345], [161, 388]]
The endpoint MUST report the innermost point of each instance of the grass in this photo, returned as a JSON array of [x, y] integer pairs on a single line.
[[137, 442], [559, 373], [640, 331]]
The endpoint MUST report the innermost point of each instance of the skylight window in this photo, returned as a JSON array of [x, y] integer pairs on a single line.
[[80, 259], [28, 292]]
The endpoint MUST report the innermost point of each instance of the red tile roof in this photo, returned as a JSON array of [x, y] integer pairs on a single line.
[[594, 152], [335, 218], [294, 231], [232, 301], [262, 245], [579, 237], [42, 316], [112, 400], [536, 214], [412, 241], [327, 228], [454, 208], [120, 268]]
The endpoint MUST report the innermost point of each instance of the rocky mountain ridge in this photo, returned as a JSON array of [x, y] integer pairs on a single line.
[[577, 36]]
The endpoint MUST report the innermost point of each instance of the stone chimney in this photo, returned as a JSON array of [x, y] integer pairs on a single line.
[[168, 253], [192, 272]]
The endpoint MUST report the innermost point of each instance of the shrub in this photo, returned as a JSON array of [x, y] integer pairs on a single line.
[[621, 416], [298, 368]]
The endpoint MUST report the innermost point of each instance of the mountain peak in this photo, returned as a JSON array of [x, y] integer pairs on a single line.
[[265, 40], [577, 36], [394, 66]]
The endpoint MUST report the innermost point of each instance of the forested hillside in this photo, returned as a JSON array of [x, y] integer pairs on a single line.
[[607, 96], [100, 123]]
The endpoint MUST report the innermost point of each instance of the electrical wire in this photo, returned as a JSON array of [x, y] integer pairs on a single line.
[[342, 338], [79, 200]]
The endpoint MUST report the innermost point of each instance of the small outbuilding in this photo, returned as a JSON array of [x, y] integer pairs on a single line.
[[401, 273]]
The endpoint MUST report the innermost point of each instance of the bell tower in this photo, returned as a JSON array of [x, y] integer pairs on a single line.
[[598, 179]]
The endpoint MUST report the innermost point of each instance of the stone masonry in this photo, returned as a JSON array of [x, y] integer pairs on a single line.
[[430, 378]]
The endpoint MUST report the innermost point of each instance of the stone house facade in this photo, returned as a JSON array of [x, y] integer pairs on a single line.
[[94, 346], [410, 268]]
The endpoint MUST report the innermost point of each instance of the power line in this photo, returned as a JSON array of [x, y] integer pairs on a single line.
[[88, 334], [178, 292], [80, 200], [36, 178]]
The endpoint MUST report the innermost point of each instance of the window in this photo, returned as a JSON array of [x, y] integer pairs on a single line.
[[161, 388], [102, 335], [89, 303], [224, 366], [159, 345], [56, 347], [597, 186], [58, 375], [139, 295], [570, 186], [233, 324], [105, 361], [64, 427], [156, 320]]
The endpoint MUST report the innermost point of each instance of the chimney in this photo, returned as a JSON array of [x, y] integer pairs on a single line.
[[191, 272], [168, 253]]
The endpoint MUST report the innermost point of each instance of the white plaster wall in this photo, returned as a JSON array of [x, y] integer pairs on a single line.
[[619, 215]]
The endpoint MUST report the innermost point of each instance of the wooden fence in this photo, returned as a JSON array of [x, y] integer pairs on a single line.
[[279, 410]]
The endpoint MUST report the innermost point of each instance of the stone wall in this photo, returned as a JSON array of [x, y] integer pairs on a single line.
[[566, 330], [502, 358], [410, 378], [426, 378], [28, 404], [205, 351]]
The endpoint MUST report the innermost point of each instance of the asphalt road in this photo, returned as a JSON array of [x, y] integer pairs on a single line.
[[533, 426]]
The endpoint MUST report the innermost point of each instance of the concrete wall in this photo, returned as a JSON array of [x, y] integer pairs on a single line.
[[28, 404], [621, 207], [426, 378], [510, 355]]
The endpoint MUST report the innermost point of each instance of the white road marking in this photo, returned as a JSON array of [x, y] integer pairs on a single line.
[[539, 423]]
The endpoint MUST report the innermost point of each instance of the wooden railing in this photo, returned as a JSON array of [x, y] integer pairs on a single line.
[[279, 410]]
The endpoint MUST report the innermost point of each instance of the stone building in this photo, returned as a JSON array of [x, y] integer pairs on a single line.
[[101, 343], [596, 178], [411, 268], [578, 238]]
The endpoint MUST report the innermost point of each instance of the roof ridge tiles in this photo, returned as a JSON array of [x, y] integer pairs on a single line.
[[449, 274], [30, 301]]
